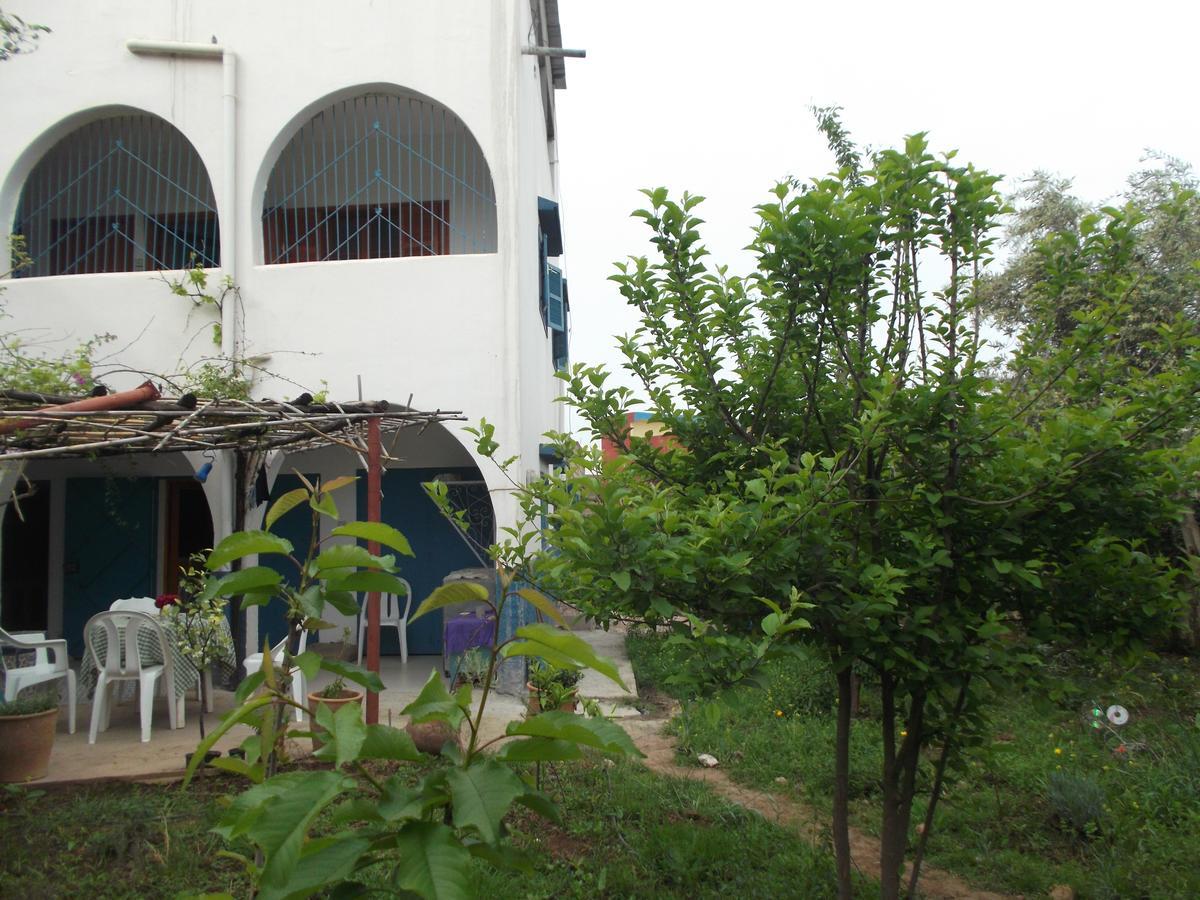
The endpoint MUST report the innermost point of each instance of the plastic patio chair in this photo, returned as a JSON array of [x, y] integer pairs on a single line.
[[149, 606], [120, 660], [135, 604], [17, 678], [254, 662], [389, 615]]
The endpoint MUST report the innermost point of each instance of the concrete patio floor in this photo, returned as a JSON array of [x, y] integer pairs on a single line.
[[119, 753]]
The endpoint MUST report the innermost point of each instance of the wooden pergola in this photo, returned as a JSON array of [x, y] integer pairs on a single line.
[[47, 427]]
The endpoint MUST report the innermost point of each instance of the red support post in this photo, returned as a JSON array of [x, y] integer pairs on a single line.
[[374, 495]]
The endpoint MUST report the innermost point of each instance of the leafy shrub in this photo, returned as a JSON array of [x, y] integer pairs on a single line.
[[29, 703], [1078, 802]]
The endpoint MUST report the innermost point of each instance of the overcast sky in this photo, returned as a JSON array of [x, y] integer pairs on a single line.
[[713, 98]]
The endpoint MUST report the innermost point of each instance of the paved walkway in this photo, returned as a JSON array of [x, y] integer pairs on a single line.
[[119, 753]]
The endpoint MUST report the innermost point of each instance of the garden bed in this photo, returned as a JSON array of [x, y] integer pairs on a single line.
[[1046, 800]]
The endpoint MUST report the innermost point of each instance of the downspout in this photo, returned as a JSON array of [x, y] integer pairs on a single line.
[[229, 320]]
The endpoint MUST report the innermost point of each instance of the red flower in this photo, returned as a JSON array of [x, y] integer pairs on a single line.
[[166, 600]]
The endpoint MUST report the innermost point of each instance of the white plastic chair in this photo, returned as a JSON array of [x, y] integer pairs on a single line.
[[135, 604], [43, 669], [120, 660], [149, 606], [254, 662], [389, 614]]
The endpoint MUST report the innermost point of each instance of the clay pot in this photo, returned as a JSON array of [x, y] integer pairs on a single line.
[[25, 745], [334, 704], [430, 737], [535, 702]]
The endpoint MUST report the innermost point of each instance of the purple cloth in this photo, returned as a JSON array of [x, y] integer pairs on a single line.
[[465, 631]]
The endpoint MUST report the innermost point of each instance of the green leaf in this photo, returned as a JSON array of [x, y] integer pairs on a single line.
[[283, 505], [324, 504], [482, 794], [235, 716], [599, 733], [367, 582], [249, 685], [354, 673], [1002, 566], [434, 703], [560, 646], [352, 556], [246, 543], [385, 742], [543, 604], [346, 730], [621, 580], [450, 594], [251, 579], [432, 862], [343, 601], [328, 487], [309, 663], [284, 823], [379, 532], [324, 863], [538, 749]]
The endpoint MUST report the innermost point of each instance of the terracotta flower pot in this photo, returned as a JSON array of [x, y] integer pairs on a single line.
[[25, 745], [430, 737], [334, 704], [535, 702]]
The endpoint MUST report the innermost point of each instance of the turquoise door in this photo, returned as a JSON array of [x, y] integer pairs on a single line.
[[110, 546], [437, 547]]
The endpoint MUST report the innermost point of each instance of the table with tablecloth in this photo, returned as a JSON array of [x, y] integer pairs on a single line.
[[187, 676], [464, 632]]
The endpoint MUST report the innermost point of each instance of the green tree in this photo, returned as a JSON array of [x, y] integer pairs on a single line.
[[1161, 203], [850, 474]]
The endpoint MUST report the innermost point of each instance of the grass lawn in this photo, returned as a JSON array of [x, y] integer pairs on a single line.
[[625, 833], [1046, 800]]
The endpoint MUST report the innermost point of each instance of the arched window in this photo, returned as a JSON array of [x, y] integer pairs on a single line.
[[124, 194], [379, 176]]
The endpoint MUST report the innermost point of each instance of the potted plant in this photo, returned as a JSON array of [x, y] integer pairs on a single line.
[[27, 726], [553, 687], [197, 625], [472, 668], [334, 696]]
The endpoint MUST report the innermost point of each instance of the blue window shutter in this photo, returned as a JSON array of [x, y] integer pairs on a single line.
[[556, 315], [559, 342]]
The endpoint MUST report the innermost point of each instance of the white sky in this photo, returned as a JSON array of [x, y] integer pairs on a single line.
[[713, 98]]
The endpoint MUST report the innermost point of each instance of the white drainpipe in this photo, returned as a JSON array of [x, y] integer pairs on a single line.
[[229, 218]]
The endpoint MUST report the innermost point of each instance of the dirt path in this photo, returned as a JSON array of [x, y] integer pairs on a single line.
[[864, 849]]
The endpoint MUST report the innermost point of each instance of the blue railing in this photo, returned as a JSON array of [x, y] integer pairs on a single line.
[[379, 176], [122, 194]]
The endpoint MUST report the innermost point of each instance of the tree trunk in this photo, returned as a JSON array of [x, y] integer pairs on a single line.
[[899, 783], [841, 786], [935, 792]]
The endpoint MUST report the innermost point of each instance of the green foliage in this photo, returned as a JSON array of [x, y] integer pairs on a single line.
[[402, 837], [845, 460], [1077, 801], [29, 702]]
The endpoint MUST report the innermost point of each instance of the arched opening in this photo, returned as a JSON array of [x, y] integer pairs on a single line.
[[379, 176], [126, 193]]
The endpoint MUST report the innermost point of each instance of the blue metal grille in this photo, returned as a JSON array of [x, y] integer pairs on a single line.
[[123, 194], [379, 176]]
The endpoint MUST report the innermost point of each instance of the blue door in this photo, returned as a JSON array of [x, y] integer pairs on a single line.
[[437, 547], [110, 545]]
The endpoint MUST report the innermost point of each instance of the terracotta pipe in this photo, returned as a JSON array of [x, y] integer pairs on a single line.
[[145, 393]]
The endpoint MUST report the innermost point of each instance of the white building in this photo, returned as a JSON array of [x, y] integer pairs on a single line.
[[379, 180]]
